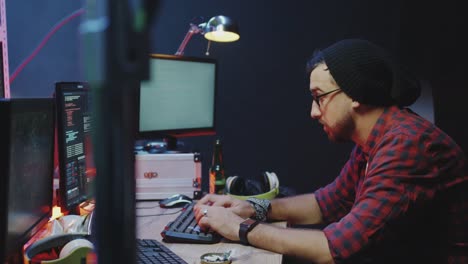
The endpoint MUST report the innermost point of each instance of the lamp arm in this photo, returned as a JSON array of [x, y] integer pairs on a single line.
[[194, 29]]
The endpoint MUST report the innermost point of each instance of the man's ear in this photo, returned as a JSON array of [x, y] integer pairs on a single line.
[[355, 104]]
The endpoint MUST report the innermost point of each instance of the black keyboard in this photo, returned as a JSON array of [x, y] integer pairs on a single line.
[[184, 229], [153, 251]]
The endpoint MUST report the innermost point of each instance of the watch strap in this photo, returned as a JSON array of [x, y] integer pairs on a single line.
[[245, 227]]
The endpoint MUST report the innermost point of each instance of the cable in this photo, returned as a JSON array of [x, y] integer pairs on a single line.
[[57, 26]]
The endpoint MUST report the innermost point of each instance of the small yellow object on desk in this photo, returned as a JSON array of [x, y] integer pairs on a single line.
[[56, 213]]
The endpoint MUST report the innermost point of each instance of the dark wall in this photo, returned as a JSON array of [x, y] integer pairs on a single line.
[[28, 23], [264, 104], [433, 37]]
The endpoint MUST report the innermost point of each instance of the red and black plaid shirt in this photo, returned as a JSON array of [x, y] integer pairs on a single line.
[[401, 198]]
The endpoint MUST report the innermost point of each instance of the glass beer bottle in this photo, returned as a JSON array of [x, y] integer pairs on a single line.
[[217, 175]]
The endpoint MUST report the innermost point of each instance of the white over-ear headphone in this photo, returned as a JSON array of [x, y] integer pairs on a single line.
[[75, 248], [269, 187]]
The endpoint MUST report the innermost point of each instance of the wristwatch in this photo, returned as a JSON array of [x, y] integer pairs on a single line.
[[261, 207], [244, 228]]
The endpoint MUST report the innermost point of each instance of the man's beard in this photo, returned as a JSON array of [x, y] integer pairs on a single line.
[[343, 129]]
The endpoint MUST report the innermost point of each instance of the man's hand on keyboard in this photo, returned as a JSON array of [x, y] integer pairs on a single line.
[[219, 219], [239, 207]]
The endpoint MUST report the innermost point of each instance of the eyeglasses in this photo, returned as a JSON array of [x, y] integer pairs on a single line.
[[317, 98]]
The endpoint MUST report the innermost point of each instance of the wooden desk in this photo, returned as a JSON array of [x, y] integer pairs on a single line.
[[151, 227]]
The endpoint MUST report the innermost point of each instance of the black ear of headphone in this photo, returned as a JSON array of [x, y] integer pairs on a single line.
[[74, 248], [267, 187]]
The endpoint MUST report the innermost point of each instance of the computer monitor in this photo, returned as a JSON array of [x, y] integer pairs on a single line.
[[74, 146], [179, 98], [26, 169]]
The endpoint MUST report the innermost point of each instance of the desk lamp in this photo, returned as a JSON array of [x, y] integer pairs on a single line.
[[218, 28]]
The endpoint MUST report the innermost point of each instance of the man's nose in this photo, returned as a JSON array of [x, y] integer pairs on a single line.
[[315, 111]]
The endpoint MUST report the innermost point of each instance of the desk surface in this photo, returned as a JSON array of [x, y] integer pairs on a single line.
[[151, 226]]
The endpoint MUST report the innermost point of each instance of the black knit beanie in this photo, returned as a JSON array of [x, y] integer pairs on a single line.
[[367, 74]]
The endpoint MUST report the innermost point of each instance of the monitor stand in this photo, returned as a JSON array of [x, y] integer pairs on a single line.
[[171, 145], [166, 145]]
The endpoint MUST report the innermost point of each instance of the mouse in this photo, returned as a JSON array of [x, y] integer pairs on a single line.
[[176, 200]]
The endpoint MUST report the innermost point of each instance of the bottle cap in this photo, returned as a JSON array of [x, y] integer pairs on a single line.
[[215, 258]]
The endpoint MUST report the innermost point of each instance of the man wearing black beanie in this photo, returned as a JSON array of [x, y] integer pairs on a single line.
[[402, 196]]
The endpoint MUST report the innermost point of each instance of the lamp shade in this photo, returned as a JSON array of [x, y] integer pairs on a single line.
[[221, 29]]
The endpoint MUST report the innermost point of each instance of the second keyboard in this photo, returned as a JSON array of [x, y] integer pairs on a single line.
[[184, 229]]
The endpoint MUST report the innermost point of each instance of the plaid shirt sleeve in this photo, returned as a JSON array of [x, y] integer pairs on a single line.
[[336, 199], [396, 178]]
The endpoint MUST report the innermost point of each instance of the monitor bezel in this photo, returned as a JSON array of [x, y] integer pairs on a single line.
[[7, 106], [60, 89], [182, 132]]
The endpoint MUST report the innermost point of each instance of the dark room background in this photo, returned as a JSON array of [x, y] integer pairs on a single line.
[[263, 106]]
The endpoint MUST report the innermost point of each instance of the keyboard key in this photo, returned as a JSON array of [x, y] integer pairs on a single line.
[[151, 251]]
